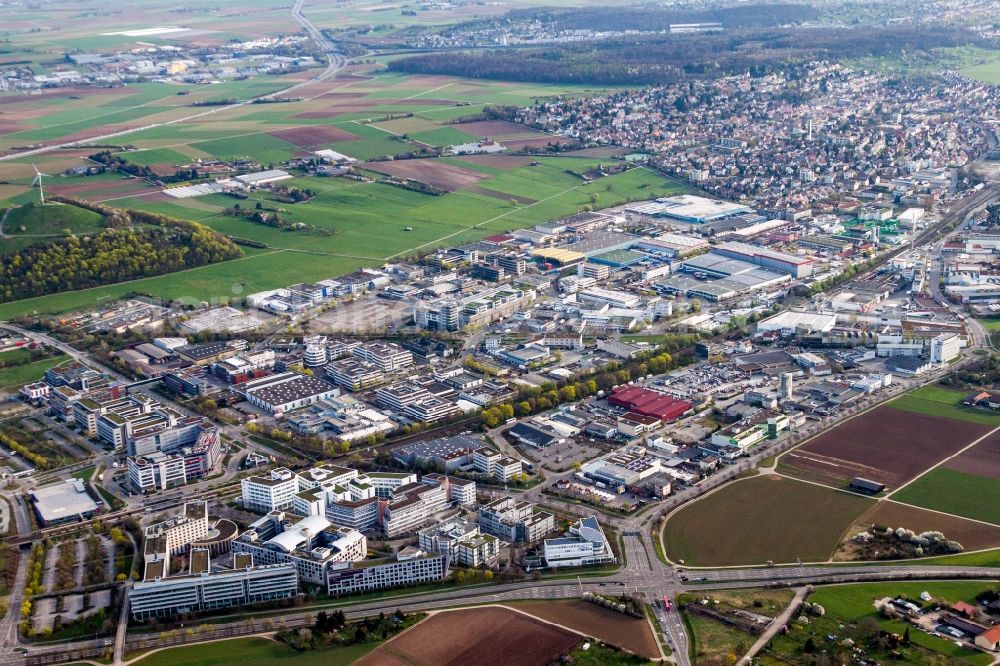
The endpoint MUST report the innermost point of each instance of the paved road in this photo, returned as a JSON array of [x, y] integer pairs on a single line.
[[72, 352], [120, 632]]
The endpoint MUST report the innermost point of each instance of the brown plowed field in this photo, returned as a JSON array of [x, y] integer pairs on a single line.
[[433, 172], [495, 129], [479, 636], [982, 460], [885, 445], [503, 196], [66, 92], [972, 535], [10, 128], [625, 631], [92, 188], [826, 469], [419, 101], [314, 135], [498, 161], [335, 95]]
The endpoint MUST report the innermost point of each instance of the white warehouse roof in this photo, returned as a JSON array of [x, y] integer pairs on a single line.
[[810, 321]]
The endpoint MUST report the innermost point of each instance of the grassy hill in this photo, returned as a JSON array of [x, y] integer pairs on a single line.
[[34, 223]]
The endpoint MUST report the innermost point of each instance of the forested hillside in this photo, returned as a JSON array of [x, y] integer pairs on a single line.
[[663, 59], [135, 245]]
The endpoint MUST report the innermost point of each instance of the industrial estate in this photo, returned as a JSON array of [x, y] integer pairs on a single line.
[[494, 333]]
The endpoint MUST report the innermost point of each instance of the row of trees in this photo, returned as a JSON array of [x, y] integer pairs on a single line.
[[333, 629], [115, 161], [38, 460]]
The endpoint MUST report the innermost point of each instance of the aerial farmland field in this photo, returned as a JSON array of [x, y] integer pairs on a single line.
[[955, 492], [762, 518], [488, 636], [624, 631], [971, 534], [886, 445], [936, 400]]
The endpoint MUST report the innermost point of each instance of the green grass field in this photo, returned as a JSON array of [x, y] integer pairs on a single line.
[[940, 401], [986, 558], [988, 72], [19, 375], [254, 650], [955, 492], [264, 148], [215, 283], [84, 474], [156, 156], [444, 136], [33, 223], [759, 519], [991, 325], [714, 641]]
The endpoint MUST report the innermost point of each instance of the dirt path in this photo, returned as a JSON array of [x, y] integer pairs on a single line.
[[775, 626]]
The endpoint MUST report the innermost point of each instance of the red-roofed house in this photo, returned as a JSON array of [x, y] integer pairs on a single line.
[[967, 610], [989, 639]]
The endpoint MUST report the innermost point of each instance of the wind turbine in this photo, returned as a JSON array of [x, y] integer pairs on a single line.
[[38, 179]]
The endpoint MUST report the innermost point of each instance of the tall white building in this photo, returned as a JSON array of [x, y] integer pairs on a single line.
[[585, 544], [270, 493], [945, 347]]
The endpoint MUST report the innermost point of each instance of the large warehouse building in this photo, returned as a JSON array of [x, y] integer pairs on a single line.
[[690, 208], [798, 267], [649, 403], [792, 322]]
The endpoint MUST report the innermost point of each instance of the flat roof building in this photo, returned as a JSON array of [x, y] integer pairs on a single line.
[[287, 391], [690, 208], [797, 267], [63, 502], [411, 566], [649, 403], [208, 590]]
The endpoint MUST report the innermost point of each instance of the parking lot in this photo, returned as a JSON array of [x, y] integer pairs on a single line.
[[368, 314], [560, 457]]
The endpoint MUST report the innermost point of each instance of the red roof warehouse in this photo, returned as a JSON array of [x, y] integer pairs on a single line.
[[649, 403]]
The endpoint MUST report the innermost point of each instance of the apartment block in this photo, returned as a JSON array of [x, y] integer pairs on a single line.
[[410, 567], [461, 542], [212, 590], [386, 357], [515, 521], [310, 544]]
